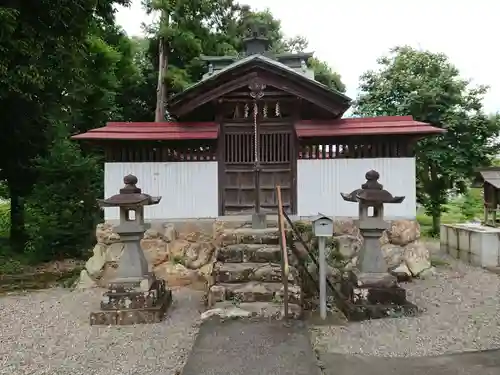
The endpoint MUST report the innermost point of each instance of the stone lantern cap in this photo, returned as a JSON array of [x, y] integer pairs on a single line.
[[371, 192], [130, 196]]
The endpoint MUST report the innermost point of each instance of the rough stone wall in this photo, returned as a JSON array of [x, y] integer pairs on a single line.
[[405, 254], [401, 246], [184, 254]]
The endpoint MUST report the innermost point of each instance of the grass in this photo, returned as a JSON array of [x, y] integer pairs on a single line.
[[459, 209], [425, 221], [438, 262]]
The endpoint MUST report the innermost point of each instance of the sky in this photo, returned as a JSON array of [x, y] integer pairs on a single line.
[[351, 34]]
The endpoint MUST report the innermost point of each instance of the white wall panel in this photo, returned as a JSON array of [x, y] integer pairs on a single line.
[[319, 183], [188, 189]]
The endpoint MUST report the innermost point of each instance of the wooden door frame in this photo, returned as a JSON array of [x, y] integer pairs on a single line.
[[221, 145]]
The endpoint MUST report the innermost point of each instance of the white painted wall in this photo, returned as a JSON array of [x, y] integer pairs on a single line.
[[188, 189], [319, 183]]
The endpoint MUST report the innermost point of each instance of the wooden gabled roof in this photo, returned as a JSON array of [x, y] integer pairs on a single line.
[[490, 175], [272, 72]]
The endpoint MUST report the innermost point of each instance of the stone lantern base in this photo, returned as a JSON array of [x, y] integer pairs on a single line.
[[374, 296], [123, 305]]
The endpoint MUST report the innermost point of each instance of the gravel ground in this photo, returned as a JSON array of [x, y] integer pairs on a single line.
[[461, 313], [48, 332]]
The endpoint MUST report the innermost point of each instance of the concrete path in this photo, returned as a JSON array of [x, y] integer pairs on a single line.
[[239, 347], [471, 363]]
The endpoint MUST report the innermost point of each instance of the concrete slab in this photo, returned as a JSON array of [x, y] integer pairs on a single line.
[[484, 363], [242, 347]]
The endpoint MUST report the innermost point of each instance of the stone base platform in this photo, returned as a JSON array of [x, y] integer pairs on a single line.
[[146, 315], [126, 306], [373, 296], [359, 312]]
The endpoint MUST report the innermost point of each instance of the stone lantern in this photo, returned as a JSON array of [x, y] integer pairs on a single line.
[[370, 285], [135, 295]]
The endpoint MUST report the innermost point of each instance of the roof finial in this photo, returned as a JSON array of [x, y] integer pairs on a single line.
[[256, 41]]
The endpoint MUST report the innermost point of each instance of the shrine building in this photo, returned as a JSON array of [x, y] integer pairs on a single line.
[[251, 123]]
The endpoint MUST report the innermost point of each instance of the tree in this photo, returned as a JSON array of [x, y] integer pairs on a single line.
[[428, 86], [280, 44], [63, 204], [324, 74], [42, 50], [215, 28]]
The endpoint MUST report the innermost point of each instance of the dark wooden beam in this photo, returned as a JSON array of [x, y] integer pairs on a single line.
[[204, 97], [305, 93], [273, 76]]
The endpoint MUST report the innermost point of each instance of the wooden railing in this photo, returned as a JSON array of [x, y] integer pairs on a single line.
[[285, 267]]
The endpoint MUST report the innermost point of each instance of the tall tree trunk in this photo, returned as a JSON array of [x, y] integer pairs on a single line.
[[160, 89], [436, 223], [164, 86], [17, 227]]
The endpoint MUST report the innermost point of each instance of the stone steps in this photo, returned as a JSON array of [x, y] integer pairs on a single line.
[[244, 272], [254, 253], [272, 310], [248, 236], [252, 291], [248, 276]]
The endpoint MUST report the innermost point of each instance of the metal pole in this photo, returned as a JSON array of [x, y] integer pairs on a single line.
[[322, 277]]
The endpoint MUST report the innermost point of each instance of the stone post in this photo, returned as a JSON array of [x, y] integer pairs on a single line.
[[135, 295]]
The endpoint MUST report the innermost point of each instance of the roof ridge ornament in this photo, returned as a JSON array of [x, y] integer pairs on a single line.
[[256, 42], [257, 88]]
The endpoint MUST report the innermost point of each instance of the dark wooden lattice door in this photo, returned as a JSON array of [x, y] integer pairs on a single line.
[[241, 194]]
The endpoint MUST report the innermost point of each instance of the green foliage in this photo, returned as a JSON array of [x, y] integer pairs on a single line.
[[459, 209], [4, 220], [428, 87], [63, 203], [324, 74], [10, 266], [43, 55], [472, 204], [4, 190], [65, 68], [217, 28]]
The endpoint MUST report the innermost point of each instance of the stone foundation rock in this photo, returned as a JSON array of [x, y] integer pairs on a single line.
[[185, 254], [181, 255], [129, 306], [405, 254]]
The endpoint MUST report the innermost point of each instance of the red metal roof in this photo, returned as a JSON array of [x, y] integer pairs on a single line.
[[153, 131], [384, 125]]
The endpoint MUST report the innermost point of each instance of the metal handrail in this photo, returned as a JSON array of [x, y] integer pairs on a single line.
[[285, 267]]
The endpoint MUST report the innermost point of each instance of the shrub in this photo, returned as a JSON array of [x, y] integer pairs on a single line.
[[63, 207], [4, 219]]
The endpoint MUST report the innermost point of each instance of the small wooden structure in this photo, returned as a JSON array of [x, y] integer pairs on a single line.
[[489, 180]]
